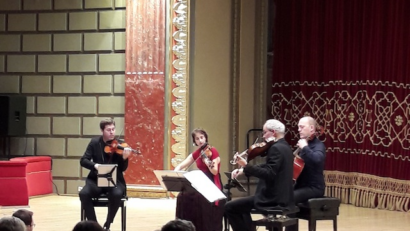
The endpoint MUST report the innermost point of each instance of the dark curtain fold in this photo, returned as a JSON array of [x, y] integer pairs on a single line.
[[346, 63]]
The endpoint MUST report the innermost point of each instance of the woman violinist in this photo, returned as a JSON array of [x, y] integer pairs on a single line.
[[192, 206]]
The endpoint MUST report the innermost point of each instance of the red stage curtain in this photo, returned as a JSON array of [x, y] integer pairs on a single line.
[[346, 63]]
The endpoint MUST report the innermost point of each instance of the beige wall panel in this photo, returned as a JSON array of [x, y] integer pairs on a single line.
[[51, 147], [22, 22], [66, 168], [31, 102], [9, 42], [119, 126], [52, 21], [36, 84], [10, 5], [52, 63], [2, 22], [77, 146], [72, 185], [84, 172], [21, 146], [2, 58], [90, 4], [82, 63], [67, 42], [83, 21], [111, 104], [119, 83], [51, 105], [36, 42], [37, 4], [246, 88], [97, 84], [120, 3], [211, 68], [59, 184], [98, 41], [119, 40], [112, 19], [112, 62], [67, 84], [91, 126], [21, 63], [68, 5], [82, 105], [9, 84], [66, 125], [38, 125]]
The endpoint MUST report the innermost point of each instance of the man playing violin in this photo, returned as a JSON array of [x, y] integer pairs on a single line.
[[93, 157], [275, 186]]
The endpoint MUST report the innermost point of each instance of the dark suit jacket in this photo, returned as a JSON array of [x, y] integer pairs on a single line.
[[275, 186], [314, 155], [94, 154]]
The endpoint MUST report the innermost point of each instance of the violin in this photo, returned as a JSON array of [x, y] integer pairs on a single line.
[[257, 149], [206, 155], [115, 147]]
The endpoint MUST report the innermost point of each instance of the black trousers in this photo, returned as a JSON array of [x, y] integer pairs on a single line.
[[239, 213], [302, 195], [91, 190]]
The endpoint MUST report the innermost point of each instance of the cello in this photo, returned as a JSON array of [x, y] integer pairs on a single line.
[[298, 162]]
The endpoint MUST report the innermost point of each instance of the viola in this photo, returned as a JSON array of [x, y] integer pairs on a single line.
[[115, 147], [255, 150], [298, 162]]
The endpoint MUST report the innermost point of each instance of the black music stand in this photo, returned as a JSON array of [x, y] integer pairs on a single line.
[[177, 184], [232, 183], [107, 175]]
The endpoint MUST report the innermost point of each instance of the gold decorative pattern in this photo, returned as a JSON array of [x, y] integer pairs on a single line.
[[379, 118], [179, 57]]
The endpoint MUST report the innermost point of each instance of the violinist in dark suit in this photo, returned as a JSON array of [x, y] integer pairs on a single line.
[[275, 186], [93, 157]]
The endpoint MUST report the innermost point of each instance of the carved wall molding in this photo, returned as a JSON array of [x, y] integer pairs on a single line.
[[179, 79]]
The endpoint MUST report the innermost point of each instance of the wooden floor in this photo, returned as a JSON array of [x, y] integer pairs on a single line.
[[61, 213]]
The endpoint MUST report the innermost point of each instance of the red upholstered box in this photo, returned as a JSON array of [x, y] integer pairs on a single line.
[[13, 185], [38, 174]]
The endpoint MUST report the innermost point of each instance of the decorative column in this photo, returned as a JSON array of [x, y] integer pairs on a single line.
[[156, 89], [144, 88]]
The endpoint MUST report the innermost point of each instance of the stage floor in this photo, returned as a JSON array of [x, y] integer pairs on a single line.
[[61, 213]]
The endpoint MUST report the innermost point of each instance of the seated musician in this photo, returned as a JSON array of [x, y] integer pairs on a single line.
[[310, 183], [93, 157], [275, 186], [192, 206]]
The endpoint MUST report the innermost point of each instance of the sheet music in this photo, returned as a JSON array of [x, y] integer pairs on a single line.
[[204, 185], [160, 173]]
